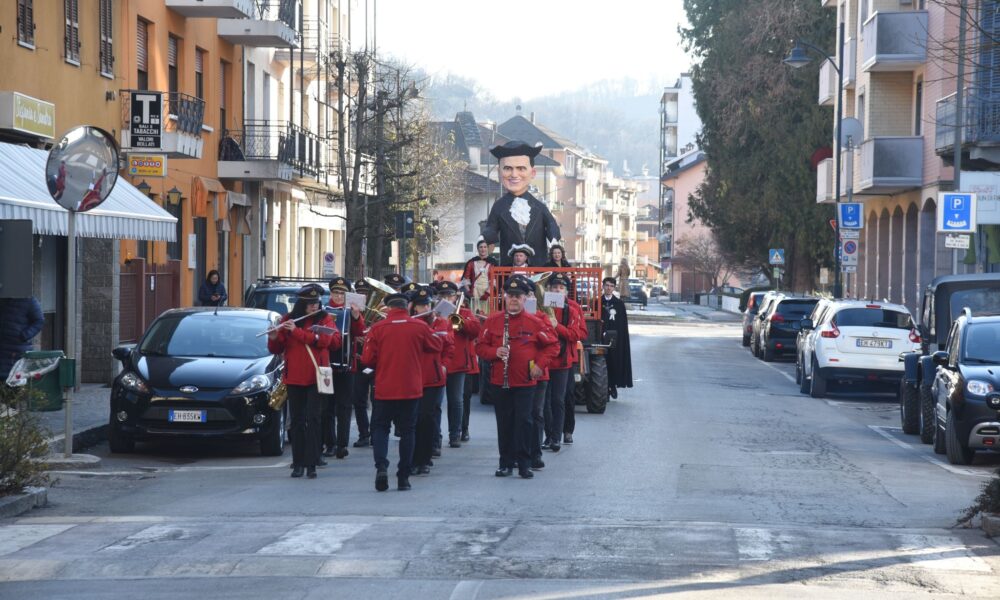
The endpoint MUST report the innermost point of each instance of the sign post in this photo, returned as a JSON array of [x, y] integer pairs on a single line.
[[776, 257]]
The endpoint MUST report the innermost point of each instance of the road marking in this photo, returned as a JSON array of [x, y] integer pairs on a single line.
[[466, 590], [884, 432], [18, 537], [783, 374], [314, 539], [758, 544], [152, 535], [940, 552]]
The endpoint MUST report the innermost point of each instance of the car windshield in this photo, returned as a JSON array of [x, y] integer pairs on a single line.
[[795, 309], [982, 301], [206, 334], [873, 317], [981, 343], [280, 301], [754, 304]]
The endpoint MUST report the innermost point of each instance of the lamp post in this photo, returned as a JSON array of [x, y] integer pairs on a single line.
[[797, 59]]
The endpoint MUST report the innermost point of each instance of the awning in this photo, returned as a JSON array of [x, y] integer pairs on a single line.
[[126, 214]]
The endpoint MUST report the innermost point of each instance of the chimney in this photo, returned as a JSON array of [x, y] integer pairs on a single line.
[[531, 116]]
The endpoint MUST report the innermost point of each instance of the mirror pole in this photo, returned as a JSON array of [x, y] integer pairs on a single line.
[[70, 326]]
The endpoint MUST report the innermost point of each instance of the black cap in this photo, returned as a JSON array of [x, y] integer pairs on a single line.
[[516, 284], [558, 279], [422, 295], [395, 298], [409, 288], [516, 148], [340, 284], [394, 280], [610, 280], [447, 287], [310, 291], [362, 286]]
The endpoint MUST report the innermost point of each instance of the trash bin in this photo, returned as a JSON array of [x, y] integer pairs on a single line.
[[41, 370]]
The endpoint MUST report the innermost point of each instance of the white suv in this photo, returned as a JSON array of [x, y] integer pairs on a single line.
[[855, 341]]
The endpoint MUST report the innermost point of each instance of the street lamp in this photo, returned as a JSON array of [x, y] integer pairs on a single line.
[[144, 187], [798, 58]]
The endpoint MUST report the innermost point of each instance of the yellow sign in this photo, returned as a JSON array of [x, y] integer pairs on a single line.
[[27, 114], [147, 165]]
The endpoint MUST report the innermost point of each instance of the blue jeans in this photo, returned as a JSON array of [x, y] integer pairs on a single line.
[[404, 414], [555, 405], [514, 425], [456, 387]]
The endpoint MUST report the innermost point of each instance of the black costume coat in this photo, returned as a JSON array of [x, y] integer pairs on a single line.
[[501, 227], [614, 319]]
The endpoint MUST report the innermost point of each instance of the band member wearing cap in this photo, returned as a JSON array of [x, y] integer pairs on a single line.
[[516, 366], [336, 416], [614, 320], [395, 280], [538, 398], [394, 347], [362, 382], [476, 278], [463, 361], [435, 377], [517, 217], [304, 349], [570, 328]]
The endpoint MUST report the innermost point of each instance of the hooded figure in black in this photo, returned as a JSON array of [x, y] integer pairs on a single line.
[[615, 326], [517, 217]]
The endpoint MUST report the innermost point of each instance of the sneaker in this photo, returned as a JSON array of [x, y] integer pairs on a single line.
[[403, 483], [546, 444], [342, 452], [465, 435], [537, 464], [554, 447], [363, 441], [454, 443], [381, 480], [311, 472], [567, 439]]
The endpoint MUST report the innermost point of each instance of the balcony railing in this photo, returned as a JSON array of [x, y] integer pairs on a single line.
[[274, 24], [982, 122], [895, 41], [258, 140], [891, 164], [824, 180]]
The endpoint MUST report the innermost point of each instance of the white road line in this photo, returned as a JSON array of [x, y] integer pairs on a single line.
[[314, 539], [940, 552], [881, 430], [151, 535], [783, 374], [466, 590], [18, 537]]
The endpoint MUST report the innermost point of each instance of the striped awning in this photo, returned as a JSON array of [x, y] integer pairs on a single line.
[[126, 214]]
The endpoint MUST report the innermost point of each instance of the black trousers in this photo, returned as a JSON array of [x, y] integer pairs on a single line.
[[569, 419], [362, 393], [304, 407], [427, 436], [515, 425], [404, 414], [336, 416], [471, 387], [538, 418]]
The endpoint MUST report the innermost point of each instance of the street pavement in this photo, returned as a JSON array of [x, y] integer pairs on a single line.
[[712, 477]]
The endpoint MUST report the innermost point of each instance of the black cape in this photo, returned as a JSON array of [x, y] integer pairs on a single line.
[[615, 322], [501, 227]]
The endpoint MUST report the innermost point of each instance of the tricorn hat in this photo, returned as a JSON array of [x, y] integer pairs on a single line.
[[521, 248], [516, 148]]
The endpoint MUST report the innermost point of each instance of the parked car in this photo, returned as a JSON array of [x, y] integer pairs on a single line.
[[753, 304], [780, 327], [857, 341], [943, 300], [966, 389], [656, 291], [199, 373], [278, 293], [806, 339], [766, 302], [638, 295]]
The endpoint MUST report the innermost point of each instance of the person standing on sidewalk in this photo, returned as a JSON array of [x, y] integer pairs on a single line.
[[21, 320], [336, 417], [435, 378], [570, 328], [462, 362], [614, 323], [212, 291]]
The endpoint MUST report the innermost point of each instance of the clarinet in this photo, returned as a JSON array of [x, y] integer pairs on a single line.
[[506, 344]]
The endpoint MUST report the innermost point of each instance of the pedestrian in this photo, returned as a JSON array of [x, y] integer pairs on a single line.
[[336, 416], [463, 361], [614, 323], [570, 327], [520, 349], [517, 217], [304, 336], [394, 348], [475, 283], [21, 320], [435, 379], [557, 257], [212, 292], [623, 274]]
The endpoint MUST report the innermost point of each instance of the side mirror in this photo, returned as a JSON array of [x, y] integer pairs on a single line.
[[806, 324], [940, 358], [122, 353], [797, 325]]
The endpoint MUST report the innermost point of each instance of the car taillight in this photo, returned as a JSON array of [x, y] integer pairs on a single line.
[[832, 332], [776, 318], [914, 336]]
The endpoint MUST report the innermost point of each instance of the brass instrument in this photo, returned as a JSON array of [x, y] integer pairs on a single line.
[[506, 344], [373, 310], [457, 323], [539, 281], [278, 397]]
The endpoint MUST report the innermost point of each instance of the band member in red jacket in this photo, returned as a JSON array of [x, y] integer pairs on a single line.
[[336, 417], [302, 345], [570, 327], [463, 361], [362, 382], [520, 349], [394, 347], [435, 375]]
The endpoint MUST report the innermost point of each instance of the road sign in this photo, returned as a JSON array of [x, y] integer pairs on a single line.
[[145, 124], [849, 256], [776, 256], [850, 215], [833, 224], [328, 265], [958, 242], [850, 234], [824, 276], [848, 268], [956, 212]]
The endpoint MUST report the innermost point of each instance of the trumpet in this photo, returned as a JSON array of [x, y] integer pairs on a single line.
[[277, 327], [457, 323]]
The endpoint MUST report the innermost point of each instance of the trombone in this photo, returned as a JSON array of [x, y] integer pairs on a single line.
[[457, 323]]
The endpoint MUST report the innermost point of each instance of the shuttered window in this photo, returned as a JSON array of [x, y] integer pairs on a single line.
[[222, 96], [171, 51], [172, 73], [984, 103], [107, 58], [26, 22], [199, 73], [71, 9], [142, 54]]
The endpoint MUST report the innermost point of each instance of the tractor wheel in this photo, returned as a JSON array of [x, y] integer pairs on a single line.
[[597, 385]]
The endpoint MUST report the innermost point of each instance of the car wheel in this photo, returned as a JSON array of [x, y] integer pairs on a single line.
[[909, 408], [273, 443], [746, 341], [817, 383], [803, 381], [926, 415], [768, 354], [119, 442], [939, 438], [958, 452]]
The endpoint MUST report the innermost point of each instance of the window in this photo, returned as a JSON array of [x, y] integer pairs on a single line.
[[918, 101], [862, 16], [861, 113], [222, 95], [174, 248], [71, 10], [142, 55], [199, 73], [172, 49], [107, 55], [26, 23]]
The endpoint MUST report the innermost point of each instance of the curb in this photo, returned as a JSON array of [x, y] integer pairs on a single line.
[[13, 506], [82, 438], [990, 524]]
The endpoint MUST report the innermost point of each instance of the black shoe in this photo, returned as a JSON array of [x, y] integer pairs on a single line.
[[423, 470], [567, 439], [363, 442], [321, 463], [613, 392], [504, 472], [537, 464], [413, 470], [297, 471], [403, 483], [311, 472], [328, 452], [546, 444], [454, 443], [554, 447], [430, 463], [342, 452], [525, 473], [465, 435], [381, 480], [436, 452]]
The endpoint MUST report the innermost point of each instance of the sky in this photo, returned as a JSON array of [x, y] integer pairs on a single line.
[[531, 48]]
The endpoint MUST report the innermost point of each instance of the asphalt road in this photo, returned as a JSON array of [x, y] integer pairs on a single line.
[[713, 477]]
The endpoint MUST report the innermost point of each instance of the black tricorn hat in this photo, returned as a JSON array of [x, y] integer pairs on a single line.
[[516, 148]]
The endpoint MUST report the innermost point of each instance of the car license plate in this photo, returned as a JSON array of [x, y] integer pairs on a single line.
[[874, 343], [186, 416]]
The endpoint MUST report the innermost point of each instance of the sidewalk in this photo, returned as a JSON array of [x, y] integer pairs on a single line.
[[90, 418], [664, 311]]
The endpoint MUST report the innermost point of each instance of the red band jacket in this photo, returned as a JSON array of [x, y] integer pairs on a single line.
[[299, 369], [463, 359], [394, 347], [529, 340], [570, 329], [432, 365], [357, 335]]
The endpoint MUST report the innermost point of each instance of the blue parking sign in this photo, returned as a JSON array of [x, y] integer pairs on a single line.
[[956, 212], [851, 215]]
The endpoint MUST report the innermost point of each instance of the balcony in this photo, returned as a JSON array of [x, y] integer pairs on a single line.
[[827, 84], [262, 151], [981, 134], [895, 41], [605, 204], [891, 164], [273, 24], [179, 133], [212, 9], [850, 62], [824, 181], [317, 42]]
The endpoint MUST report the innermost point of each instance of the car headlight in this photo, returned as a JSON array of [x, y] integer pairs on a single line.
[[978, 388], [132, 382], [253, 385]]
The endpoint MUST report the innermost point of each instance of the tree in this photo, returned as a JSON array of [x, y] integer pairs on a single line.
[[699, 253], [760, 126]]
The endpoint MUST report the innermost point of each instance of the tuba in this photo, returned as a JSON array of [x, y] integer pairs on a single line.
[[539, 281], [373, 309]]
